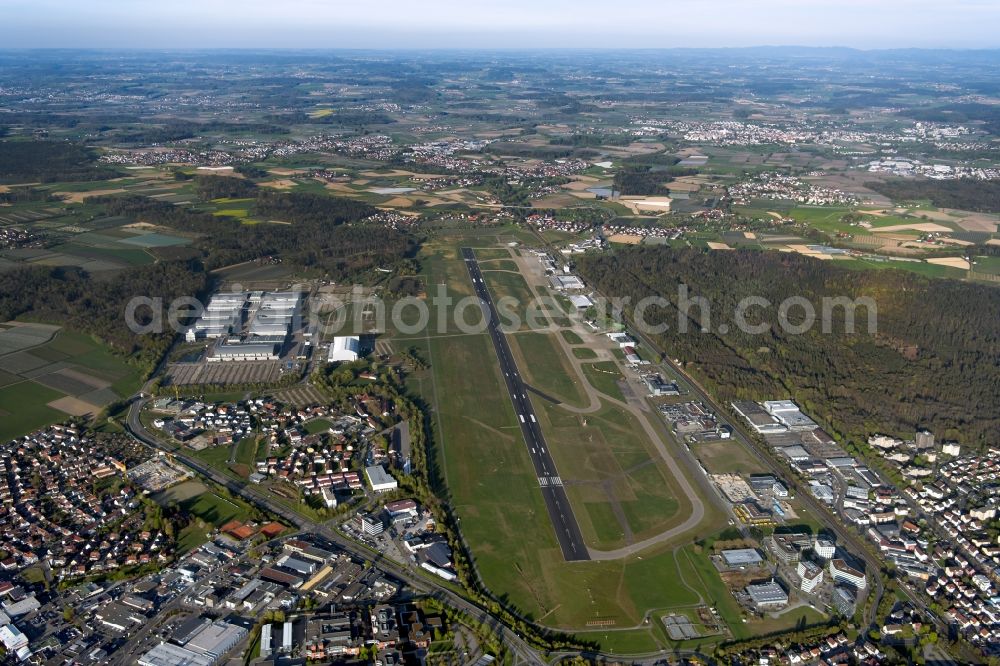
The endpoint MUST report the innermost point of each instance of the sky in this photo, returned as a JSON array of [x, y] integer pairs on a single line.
[[498, 24]]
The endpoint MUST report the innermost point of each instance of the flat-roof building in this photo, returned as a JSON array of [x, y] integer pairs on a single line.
[[657, 386], [758, 418], [345, 348], [228, 352], [168, 654], [842, 572], [789, 414], [216, 639], [372, 524], [811, 575], [767, 595], [266, 639], [564, 282], [380, 480], [742, 557]]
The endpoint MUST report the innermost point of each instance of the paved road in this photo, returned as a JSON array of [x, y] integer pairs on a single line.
[[556, 502]]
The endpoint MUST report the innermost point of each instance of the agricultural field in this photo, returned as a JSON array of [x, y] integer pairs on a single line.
[[77, 232], [48, 374]]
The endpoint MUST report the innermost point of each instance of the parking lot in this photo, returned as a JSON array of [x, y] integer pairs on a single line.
[[236, 372]]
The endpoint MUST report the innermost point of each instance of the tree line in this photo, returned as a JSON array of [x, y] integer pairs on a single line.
[[981, 196], [48, 162], [931, 361], [70, 297]]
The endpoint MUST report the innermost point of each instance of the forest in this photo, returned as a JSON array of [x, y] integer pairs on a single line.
[[48, 162], [70, 297], [931, 362], [982, 196], [318, 237], [641, 181]]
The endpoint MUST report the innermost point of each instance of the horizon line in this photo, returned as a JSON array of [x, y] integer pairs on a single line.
[[604, 49]]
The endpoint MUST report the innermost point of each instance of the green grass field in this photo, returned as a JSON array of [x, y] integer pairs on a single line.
[[317, 425], [989, 265], [604, 377], [919, 267], [571, 337], [727, 457], [545, 367], [23, 409]]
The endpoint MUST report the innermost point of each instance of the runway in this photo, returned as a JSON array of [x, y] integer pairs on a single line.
[[556, 502]]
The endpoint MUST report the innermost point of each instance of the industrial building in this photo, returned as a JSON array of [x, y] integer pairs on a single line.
[[221, 317], [566, 282], [581, 302], [272, 317], [215, 639], [168, 654], [789, 415], [742, 557], [758, 418], [380, 480], [657, 386], [245, 351], [345, 348], [622, 339], [266, 640], [767, 595]]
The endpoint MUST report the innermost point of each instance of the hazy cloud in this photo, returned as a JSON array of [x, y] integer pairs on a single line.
[[510, 23]]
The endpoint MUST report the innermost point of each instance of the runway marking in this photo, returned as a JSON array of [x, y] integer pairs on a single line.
[[522, 417]]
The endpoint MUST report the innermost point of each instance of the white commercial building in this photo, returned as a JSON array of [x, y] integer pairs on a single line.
[[245, 352], [12, 638], [345, 348], [825, 548], [380, 480], [265, 640], [842, 572], [811, 575]]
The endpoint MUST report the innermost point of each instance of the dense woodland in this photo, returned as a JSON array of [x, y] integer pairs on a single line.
[[641, 181], [72, 298], [966, 193], [932, 362], [317, 237], [48, 162]]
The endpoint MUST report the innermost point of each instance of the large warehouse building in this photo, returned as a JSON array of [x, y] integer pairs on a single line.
[[345, 348], [767, 595], [241, 351]]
